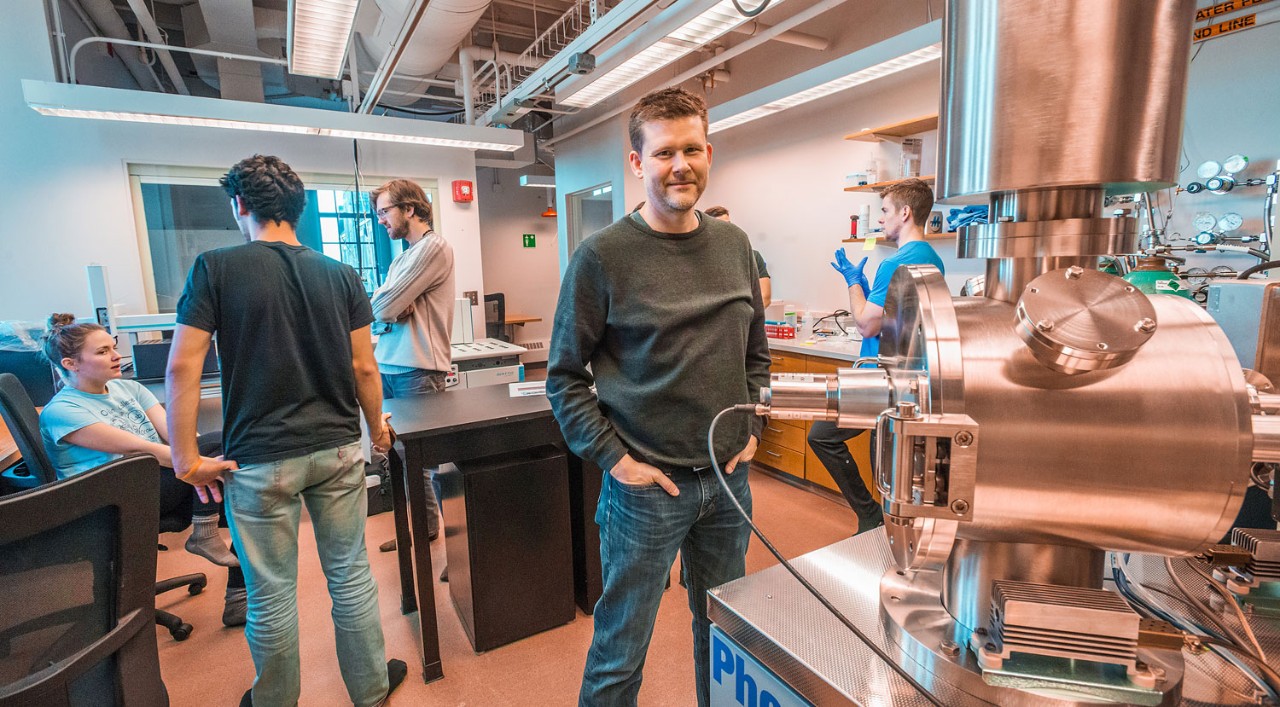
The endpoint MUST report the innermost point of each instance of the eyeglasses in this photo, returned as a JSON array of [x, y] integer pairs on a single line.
[[382, 213]]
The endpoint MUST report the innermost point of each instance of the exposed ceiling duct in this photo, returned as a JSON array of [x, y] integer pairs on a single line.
[[228, 26], [445, 25], [109, 22]]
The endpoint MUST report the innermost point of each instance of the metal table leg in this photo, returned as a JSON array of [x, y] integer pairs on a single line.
[[414, 464], [404, 540]]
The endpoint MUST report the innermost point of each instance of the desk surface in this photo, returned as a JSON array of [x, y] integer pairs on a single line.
[[520, 318], [457, 410], [830, 347], [8, 448]]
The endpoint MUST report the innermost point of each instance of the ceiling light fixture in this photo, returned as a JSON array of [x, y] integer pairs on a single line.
[[319, 34], [854, 70], [537, 180], [98, 103], [695, 33]]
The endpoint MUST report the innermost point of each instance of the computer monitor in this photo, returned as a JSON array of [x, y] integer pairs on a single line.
[[150, 358]]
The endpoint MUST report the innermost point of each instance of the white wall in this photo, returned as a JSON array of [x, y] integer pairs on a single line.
[[529, 277], [65, 194]]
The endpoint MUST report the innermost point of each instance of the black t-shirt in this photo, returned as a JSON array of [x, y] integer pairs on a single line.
[[283, 315]]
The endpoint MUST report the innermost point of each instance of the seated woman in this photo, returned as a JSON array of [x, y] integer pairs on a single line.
[[97, 417]]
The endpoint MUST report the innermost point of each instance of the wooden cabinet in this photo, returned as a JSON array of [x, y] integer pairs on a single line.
[[784, 445], [786, 362]]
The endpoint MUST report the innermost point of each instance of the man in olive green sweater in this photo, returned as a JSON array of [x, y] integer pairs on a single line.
[[664, 306]]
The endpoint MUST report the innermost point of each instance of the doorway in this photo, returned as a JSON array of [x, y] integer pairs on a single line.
[[589, 211]]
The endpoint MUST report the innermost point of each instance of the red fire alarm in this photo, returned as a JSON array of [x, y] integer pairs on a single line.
[[463, 191]]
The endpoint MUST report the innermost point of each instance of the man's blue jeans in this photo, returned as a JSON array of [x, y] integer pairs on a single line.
[[265, 501], [403, 385], [641, 528]]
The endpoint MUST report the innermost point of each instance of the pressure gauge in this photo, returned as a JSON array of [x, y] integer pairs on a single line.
[[1230, 221], [1205, 238], [1204, 221], [1208, 169], [1220, 185], [1235, 164], [1196, 276]]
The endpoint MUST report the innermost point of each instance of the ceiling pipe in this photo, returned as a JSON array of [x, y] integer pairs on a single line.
[[800, 39], [466, 62], [148, 24], [151, 45]]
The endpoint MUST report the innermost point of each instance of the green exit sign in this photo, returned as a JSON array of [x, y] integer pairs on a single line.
[[530, 241]]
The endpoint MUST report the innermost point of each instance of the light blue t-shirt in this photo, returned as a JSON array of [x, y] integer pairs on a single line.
[[124, 405], [913, 253]]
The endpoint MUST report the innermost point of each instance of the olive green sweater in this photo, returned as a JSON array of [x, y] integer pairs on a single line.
[[672, 327]]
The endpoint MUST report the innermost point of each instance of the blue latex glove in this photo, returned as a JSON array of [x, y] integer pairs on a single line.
[[852, 273]]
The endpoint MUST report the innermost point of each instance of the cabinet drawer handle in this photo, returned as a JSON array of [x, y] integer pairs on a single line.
[[774, 429], [773, 454]]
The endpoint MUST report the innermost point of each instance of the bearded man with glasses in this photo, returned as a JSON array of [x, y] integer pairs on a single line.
[[415, 303]]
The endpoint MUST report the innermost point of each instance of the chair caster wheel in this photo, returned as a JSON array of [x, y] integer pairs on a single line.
[[182, 632], [194, 589]]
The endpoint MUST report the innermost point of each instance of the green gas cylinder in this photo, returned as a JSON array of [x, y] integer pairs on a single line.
[[1108, 266], [1153, 277]]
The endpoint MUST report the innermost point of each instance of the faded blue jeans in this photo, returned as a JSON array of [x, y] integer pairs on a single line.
[[641, 528], [265, 501]]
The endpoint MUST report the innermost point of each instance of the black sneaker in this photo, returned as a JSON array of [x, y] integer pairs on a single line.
[[396, 672], [870, 521]]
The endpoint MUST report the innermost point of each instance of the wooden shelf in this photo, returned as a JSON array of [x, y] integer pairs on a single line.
[[897, 131], [881, 185]]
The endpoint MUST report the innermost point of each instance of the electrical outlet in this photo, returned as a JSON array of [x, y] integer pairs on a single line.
[[473, 296]]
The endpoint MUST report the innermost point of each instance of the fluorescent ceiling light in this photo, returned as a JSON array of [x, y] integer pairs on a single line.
[[879, 60], [714, 22], [535, 180], [319, 34], [95, 102]]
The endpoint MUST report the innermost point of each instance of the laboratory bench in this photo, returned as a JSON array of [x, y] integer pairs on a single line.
[[784, 444]]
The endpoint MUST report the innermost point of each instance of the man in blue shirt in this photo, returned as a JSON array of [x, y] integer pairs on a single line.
[[904, 208]]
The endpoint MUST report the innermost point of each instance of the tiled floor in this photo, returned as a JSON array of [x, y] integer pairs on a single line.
[[213, 667]]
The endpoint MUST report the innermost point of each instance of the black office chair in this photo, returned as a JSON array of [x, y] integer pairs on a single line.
[[33, 371], [24, 424], [23, 421], [76, 604], [495, 316]]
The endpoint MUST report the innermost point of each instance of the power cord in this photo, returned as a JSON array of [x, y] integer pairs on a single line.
[[751, 408], [835, 319]]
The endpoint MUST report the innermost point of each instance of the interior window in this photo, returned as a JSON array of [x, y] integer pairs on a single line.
[[183, 215]]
